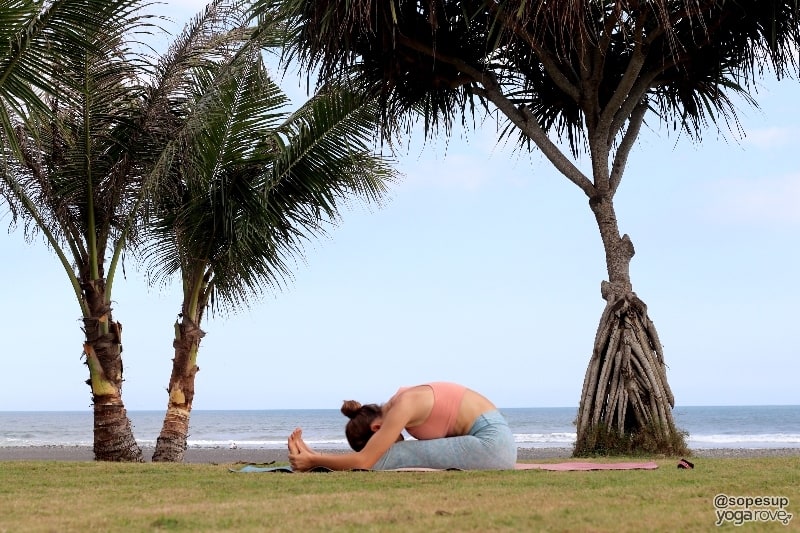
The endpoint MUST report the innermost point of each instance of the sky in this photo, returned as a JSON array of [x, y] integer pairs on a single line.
[[483, 267]]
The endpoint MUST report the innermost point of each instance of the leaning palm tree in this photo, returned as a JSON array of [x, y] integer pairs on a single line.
[[83, 133], [242, 194], [586, 73]]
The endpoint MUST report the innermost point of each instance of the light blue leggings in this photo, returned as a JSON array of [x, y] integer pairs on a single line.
[[488, 446]]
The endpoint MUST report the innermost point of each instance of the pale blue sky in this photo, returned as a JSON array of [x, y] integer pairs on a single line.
[[484, 267]]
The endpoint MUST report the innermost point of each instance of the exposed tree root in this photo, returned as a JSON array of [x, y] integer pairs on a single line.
[[626, 403]]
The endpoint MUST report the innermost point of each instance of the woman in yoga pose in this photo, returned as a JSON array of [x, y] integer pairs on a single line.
[[453, 427]]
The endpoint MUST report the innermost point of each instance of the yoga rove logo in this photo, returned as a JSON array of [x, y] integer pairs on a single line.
[[741, 509]]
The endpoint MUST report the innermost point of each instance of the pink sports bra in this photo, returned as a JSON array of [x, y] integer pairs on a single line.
[[442, 420]]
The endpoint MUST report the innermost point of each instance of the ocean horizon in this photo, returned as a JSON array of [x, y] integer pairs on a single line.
[[770, 426]]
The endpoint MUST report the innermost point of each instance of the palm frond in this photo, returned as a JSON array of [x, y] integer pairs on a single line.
[[204, 216], [558, 59], [34, 34], [254, 184]]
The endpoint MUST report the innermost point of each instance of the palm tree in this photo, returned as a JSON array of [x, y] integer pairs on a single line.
[[586, 73], [67, 176], [242, 194], [83, 135]]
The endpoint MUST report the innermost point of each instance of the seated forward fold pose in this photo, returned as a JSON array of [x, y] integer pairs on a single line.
[[454, 427]]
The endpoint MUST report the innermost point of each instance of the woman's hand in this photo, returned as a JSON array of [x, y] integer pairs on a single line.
[[301, 457]]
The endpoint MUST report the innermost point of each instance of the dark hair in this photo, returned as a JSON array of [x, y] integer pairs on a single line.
[[358, 430]]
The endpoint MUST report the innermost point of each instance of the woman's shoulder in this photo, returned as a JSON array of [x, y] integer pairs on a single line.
[[424, 389], [415, 400], [412, 394]]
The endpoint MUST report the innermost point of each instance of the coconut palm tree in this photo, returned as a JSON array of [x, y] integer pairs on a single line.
[[586, 73], [242, 194], [86, 122], [66, 103]]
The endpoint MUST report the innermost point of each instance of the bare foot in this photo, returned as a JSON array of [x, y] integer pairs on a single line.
[[294, 446], [298, 434], [300, 455]]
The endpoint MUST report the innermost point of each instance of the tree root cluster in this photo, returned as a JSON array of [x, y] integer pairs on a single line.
[[625, 391]]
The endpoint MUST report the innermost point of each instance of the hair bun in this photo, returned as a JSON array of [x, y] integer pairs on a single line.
[[350, 408]]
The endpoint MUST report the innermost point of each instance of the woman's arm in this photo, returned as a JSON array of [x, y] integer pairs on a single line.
[[302, 457]]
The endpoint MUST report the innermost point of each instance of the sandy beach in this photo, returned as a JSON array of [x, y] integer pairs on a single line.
[[250, 455]]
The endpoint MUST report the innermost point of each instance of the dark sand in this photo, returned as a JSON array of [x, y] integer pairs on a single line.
[[250, 455]]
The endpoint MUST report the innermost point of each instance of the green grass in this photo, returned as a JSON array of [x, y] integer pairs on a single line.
[[87, 496]]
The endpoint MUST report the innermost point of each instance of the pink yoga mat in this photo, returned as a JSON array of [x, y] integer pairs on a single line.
[[586, 466], [559, 467], [520, 466]]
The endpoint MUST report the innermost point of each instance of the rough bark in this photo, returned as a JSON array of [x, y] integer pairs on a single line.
[[113, 436], [171, 442], [626, 383], [626, 403]]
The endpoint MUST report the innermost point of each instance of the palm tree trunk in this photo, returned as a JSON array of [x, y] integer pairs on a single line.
[[113, 436], [171, 442], [626, 403]]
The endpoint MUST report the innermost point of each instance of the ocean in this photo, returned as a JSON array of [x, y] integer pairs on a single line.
[[544, 427]]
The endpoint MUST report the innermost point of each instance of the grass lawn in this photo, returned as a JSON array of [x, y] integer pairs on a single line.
[[110, 497]]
